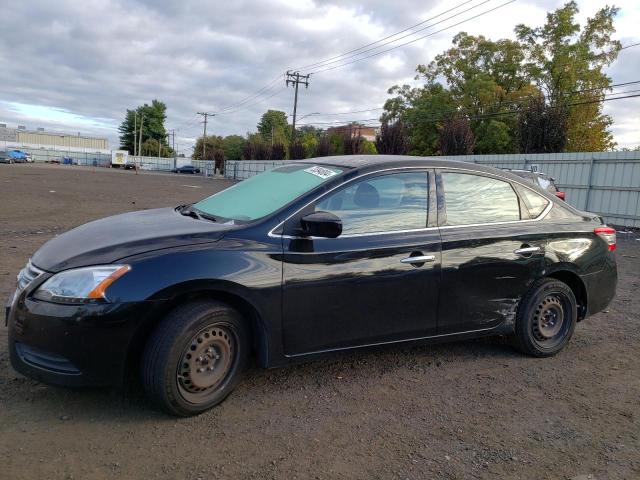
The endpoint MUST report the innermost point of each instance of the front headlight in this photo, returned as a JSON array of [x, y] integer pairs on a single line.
[[80, 285]]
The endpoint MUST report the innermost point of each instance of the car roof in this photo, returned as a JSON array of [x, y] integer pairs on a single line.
[[378, 162]]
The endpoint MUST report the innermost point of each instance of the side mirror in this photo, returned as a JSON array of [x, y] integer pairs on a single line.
[[321, 224]]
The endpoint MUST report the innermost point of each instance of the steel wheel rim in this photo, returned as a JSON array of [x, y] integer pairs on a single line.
[[206, 362], [550, 321]]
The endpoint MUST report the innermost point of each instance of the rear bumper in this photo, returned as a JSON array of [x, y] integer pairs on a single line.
[[601, 287], [74, 345]]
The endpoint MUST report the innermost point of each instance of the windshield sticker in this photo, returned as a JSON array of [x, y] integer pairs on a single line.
[[321, 172]]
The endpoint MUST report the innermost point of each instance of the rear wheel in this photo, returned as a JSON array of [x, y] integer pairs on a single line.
[[546, 318], [195, 357]]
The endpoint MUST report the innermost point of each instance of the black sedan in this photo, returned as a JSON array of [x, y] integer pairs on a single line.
[[186, 169], [305, 260]]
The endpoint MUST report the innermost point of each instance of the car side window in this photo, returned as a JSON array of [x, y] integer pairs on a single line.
[[472, 199], [386, 203], [534, 202]]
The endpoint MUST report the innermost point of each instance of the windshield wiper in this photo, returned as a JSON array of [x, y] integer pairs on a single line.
[[189, 211]]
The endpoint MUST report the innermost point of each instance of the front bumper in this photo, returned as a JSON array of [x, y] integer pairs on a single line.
[[74, 345]]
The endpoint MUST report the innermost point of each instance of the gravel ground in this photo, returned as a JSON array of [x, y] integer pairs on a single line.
[[464, 410]]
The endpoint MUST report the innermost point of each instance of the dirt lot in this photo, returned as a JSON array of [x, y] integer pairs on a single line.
[[457, 411]]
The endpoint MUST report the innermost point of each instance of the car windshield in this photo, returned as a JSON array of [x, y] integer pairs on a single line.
[[265, 193]]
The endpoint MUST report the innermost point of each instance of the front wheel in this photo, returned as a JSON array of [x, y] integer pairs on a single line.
[[195, 357], [546, 318]]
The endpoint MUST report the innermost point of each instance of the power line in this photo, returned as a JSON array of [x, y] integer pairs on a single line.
[[253, 103], [267, 87], [385, 38], [405, 36], [629, 46], [435, 118], [413, 40]]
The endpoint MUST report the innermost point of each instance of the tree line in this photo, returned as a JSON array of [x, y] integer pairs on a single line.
[[539, 93]]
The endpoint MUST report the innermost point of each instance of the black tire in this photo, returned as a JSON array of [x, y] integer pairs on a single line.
[[546, 318], [178, 380]]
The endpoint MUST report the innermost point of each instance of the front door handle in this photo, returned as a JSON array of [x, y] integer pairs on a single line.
[[419, 259], [526, 250]]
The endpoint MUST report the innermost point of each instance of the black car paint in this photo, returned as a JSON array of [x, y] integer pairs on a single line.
[[303, 296]]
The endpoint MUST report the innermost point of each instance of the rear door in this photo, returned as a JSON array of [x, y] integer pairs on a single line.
[[492, 249], [378, 281]]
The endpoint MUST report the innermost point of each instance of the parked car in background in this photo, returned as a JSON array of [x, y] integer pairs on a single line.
[[18, 156], [5, 158], [29, 158], [186, 169], [304, 260], [543, 180]]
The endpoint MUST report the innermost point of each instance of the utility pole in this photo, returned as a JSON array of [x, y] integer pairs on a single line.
[[140, 140], [204, 135], [294, 78], [135, 131]]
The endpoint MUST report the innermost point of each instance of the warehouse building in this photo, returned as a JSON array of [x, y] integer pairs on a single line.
[[42, 139]]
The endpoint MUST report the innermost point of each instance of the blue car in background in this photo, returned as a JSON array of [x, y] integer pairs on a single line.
[[17, 156]]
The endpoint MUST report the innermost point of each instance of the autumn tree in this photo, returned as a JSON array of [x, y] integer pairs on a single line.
[[323, 149], [456, 137], [392, 139], [297, 150], [218, 157], [542, 128], [567, 62]]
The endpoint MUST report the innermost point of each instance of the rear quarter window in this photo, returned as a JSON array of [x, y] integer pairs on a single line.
[[534, 202], [475, 199]]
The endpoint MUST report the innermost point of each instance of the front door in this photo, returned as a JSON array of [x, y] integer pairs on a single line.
[[364, 287]]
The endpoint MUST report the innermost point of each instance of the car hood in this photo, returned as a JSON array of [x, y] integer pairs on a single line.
[[110, 239]]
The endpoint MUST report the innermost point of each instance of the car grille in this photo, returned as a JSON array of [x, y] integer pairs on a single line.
[[27, 275]]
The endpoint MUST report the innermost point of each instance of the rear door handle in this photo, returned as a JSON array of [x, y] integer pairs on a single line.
[[419, 259], [526, 250]]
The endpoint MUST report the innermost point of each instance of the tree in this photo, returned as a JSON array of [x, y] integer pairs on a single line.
[[256, 148], [392, 139], [567, 63], [297, 150], [278, 152], [456, 137], [212, 143], [150, 149], [218, 157], [150, 120], [542, 127], [488, 80], [495, 136], [232, 146], [352, 141], [422, 111], [274, 128], [368, 147], [324, 147], [484, 79]]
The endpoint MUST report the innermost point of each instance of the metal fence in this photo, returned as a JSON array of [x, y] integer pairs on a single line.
[[607, 183], [42, 155]]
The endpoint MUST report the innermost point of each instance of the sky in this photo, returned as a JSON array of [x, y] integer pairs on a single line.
[[76, 66]]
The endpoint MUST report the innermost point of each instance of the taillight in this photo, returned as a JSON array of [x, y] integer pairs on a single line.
[[560, 195], [608, 234]]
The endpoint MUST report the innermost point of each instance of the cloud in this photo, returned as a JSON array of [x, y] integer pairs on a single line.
[[81, 64]]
